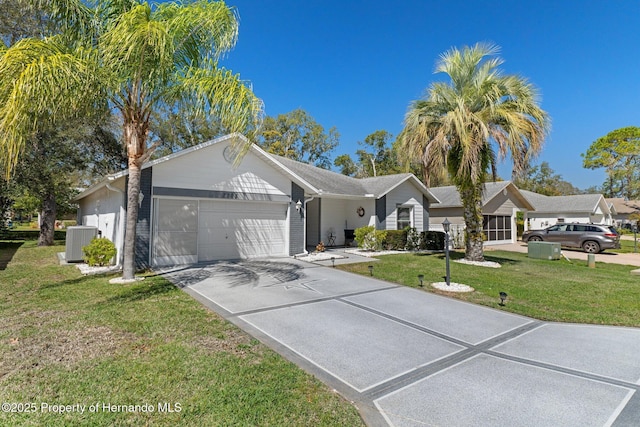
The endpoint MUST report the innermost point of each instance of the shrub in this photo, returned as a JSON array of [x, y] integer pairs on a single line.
[[370, 239], [413, 239], [432, 240], [396, 240], [99, 252]]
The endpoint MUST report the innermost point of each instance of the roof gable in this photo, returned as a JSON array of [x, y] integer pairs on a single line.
[[624, 207], [312, 179], [579, 203], [450, 197]]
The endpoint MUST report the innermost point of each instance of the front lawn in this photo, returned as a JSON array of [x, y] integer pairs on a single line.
[[626, 246], [73, 340], [546, 290]]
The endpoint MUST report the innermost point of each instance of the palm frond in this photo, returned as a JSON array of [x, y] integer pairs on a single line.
[[220, 93], [43, 81], [202, 30]]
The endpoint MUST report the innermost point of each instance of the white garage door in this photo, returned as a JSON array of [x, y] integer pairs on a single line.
[[175, 232], [236, 229]]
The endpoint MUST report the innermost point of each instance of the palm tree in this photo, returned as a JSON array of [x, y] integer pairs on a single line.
[[469, 123], [131, 57]]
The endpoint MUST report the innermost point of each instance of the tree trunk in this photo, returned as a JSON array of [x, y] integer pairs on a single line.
[[133, 191], [48, 221], [472, 207], [135, 137]]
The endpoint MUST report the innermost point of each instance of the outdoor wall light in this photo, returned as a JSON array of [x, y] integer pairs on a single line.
[[371, 270], [298, 205], [421, 278], [333, 261], [503, 296]]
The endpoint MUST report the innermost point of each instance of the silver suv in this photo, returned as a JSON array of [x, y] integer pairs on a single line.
[[592, 238]]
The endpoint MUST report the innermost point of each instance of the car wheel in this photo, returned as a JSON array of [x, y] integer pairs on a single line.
[[535, 239], [591, 247]]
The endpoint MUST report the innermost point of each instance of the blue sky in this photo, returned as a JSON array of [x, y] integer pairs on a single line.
[[357, 65]]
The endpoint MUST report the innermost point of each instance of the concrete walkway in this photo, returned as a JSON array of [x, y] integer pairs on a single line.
[[411, 358]]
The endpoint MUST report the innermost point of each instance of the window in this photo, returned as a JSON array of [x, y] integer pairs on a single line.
[[496, 227], [404, 217]]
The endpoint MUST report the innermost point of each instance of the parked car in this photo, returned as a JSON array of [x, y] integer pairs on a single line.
[[592, 238]]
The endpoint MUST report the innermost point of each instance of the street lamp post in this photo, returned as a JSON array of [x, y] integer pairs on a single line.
[[446, 225], [635, 239]]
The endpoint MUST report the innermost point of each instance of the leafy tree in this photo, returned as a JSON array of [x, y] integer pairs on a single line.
[[377, 158], [619, 153], [346, 164], [470, 121], [134, 56], [54, 163], [55, 157], [180, 126], [296, 135], [542, 179], [19, 19]]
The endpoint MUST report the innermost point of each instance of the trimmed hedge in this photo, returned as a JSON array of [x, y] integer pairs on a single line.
[[30, 235], [370, 239], [432, 240], [396, 240]]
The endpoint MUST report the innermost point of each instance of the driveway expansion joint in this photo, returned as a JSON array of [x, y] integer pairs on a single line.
[[309, 301]]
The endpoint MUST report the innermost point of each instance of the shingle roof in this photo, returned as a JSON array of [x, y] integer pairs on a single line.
[[624, 207], [449, 196], [333, 183], [322, 179], [554, 204]]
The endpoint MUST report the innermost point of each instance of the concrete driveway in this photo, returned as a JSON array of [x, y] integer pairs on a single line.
[[410, 358]]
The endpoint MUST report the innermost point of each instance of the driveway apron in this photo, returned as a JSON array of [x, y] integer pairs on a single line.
[[411, 358]]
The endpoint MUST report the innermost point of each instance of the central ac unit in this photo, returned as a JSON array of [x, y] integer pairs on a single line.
[[77, 238]]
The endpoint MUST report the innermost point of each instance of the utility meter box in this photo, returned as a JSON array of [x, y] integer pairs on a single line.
[[544, 250]]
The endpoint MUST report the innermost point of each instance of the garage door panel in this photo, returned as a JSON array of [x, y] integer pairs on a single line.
[[180, 244], [175, 231], [234, 229]]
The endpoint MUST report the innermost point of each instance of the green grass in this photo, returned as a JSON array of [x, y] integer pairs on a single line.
[[626, 246], [69, 339], [546, 290]]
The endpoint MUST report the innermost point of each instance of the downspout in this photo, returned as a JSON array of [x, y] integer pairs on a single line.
[[120, 223]]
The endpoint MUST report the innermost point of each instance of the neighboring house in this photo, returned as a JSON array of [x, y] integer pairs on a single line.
[[196, 206], [621, 209], [500, 203], [550, 210]]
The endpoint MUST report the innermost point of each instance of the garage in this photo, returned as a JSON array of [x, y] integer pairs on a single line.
[[241, 229], [187, 231]]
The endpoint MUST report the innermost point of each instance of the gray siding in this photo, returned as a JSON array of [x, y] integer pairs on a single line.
[[143, 225], [296, 221], [425, 213], [381, 211]]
